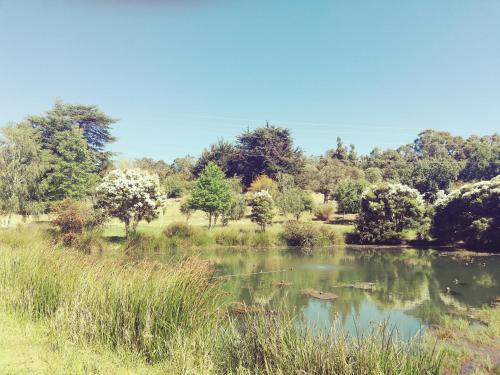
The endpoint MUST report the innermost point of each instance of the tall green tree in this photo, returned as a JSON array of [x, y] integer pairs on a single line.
[[211, 193], [22, 165], [330, 172], [266, 150], [262, 209], [294, 201], [348, 195], [430, 175], [438, 144], [482, 161], [222, 153], [95, 126], [72, 171]]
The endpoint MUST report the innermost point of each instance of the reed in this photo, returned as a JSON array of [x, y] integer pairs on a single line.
[[135, 306]]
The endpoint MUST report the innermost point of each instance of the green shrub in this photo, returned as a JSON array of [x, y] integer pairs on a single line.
[[324, 211], [309, 235], [179, 229], [232, 237], [387, 211], [470, 214]]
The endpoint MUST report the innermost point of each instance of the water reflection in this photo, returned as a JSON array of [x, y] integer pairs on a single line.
[[411, 286]]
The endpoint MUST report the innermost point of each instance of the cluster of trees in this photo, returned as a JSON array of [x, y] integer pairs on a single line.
[[47, 158], [468, 215], [63, 154]]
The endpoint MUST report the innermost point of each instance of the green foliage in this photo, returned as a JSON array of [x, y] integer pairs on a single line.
[[211, 192], [93, 123], [236, 209], [294, 201], [324, 211], [22, 165], [482, 158], [388, 210], [348, 195], [307, 235], [373, 175], [221, 153], [390, 162], [184, 166], [176, 185], [272, 344], [470, 214], [438, 145], [330, 172], [267, 150], [262, 209], [185, 208], [72, 171], [179, 229], [429, 176], [158, 167]]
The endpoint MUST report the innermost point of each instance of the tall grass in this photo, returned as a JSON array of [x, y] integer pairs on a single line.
[[271, 343], [137, 307]]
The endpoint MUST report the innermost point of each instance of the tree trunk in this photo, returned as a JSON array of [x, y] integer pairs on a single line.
[[127, 227], [209, 220]]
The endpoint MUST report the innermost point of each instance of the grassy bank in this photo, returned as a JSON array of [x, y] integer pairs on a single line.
[[470, 340], [95, 314]]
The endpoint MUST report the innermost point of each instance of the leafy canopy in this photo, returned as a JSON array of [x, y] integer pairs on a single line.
[[262, 209], [388, 210], [22, 166], [211, 192], [72, 171], [470, 214]]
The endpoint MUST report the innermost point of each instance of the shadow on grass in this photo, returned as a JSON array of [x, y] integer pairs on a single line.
[[115, 239], [341, 221]]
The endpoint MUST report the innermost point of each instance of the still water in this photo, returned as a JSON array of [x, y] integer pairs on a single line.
[[410, 287]]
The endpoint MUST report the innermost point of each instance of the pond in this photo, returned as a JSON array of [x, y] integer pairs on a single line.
[[405, 287]]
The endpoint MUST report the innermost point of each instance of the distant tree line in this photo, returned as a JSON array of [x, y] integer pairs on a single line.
[[62, 154]]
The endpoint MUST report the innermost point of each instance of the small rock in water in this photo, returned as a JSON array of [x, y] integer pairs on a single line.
[[319, 294]]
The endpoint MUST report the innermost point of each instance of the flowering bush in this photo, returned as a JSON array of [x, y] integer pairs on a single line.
[[130, 195], [470, 214], [388, 210]]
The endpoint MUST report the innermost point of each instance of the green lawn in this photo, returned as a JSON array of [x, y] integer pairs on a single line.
[[198, 219]]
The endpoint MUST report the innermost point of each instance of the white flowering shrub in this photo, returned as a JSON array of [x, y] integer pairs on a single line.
[[386, 211], [130, 195], [470, 215]]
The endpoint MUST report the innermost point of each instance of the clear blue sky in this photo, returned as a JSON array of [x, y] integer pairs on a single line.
[[180, 74]]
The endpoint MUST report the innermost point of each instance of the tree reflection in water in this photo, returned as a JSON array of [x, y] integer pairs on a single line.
[[410, 285]]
